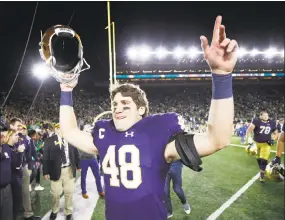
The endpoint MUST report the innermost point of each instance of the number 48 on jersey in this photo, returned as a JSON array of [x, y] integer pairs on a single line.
[[109, 166]]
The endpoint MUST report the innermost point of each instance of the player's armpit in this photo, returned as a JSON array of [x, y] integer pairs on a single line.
[[170, 153]]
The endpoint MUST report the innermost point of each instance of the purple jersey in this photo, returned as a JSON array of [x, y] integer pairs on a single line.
[[134, 166], [263, 130]]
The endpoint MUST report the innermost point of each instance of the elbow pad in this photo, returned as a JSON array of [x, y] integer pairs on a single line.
[[186, 149]]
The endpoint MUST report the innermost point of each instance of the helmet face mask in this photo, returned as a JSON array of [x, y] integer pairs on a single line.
[[62, 51]]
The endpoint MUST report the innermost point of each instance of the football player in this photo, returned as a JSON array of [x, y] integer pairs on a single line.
[[280, 147], [135, 148], [264, 132]]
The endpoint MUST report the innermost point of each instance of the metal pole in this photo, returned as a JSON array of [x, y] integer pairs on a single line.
[[114, 54], [110, 46], [27, 115]]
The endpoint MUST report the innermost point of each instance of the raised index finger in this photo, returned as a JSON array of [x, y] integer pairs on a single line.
[[216, 30]]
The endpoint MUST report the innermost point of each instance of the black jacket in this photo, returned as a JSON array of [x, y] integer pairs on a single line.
[[52, 160]]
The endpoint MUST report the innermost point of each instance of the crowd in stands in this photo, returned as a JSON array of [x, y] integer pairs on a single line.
[[191, 102]]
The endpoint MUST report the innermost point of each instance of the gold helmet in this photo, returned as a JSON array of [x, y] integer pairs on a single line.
[[275, 172], [62, 51], [251, 149]]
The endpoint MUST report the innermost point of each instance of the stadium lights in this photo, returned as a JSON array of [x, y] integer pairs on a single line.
[[178, 53], [270, 52], [145, 52], [161, 53], [40, 71], [242, 52], [193, 52], [254, 52], [132, 53]]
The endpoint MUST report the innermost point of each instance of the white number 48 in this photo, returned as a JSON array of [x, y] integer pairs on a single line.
[[109, 166]]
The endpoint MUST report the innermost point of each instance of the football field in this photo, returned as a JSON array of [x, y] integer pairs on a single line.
[[227, 188]]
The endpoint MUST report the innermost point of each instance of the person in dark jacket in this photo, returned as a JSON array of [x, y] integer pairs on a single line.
[[9, 160], [60, 161], [21, 176]]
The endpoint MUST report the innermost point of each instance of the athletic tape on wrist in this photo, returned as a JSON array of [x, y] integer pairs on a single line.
[[66, 98], [222, 86]]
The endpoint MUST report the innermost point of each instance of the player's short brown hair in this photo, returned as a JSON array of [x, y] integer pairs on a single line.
[[263, 112], [133, 91]]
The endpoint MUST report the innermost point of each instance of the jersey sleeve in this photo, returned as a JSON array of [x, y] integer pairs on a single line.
[[174, 123], [99, 130], [283, 128], [95, 131], [255, 122]]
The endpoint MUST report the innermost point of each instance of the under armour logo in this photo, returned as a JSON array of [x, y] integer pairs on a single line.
[[129, 134], [6, 155]]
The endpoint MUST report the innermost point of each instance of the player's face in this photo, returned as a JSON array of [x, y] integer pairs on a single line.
[[264, 117], [125, 112]]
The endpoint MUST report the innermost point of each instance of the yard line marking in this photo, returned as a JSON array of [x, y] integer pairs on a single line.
[[227, 204], [242, 146]]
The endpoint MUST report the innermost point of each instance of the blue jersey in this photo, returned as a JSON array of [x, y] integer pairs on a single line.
[[134, 166]]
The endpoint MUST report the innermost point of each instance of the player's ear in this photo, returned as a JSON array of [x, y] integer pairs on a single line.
[[142, 111]]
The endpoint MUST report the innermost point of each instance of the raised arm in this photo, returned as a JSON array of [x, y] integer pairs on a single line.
[[221, 57], [68, 125]]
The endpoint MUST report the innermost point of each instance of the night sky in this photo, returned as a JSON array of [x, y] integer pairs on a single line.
[[252, 24]]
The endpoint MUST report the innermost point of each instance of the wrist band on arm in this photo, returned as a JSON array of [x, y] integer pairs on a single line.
[[222, 86], [66, 98]]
